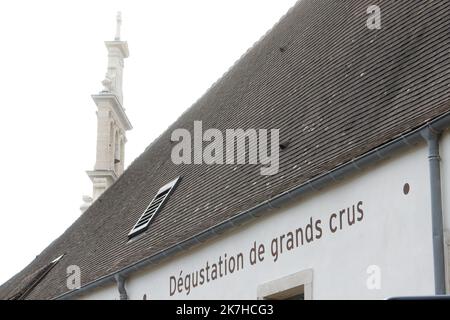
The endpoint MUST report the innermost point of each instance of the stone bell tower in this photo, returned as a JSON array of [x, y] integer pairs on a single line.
[[112, 121]]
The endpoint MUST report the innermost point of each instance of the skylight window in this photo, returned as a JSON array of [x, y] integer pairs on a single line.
[[153, 208]]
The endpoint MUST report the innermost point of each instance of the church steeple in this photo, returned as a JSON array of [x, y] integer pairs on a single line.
[[112, 121], [117, 51]]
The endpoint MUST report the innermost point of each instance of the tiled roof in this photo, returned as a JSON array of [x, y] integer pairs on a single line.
[[334, 88]]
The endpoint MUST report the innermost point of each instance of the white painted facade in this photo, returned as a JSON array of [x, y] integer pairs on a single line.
[[392, 241]]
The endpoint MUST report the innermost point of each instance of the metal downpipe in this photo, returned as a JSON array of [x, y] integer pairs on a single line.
[[434, 159]]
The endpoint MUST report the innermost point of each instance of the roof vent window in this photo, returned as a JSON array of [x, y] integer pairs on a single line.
[[153, 208]]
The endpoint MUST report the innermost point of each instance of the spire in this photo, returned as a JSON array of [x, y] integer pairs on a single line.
[[117, 52], [112, 121], [118, 25]]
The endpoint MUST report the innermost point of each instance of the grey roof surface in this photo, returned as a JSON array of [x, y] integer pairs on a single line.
[[334, 88]]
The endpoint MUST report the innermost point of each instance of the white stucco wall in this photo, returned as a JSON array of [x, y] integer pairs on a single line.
[[445, 180], [394, 234], [445, 176], [106, 292]]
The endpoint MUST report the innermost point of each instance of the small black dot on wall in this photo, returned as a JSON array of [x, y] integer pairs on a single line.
[[406, 188]]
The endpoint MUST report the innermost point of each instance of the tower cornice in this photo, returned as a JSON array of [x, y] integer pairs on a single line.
[[121, 45], [111, 99]]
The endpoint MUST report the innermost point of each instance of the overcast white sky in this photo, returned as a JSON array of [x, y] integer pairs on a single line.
[[53, 58]]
